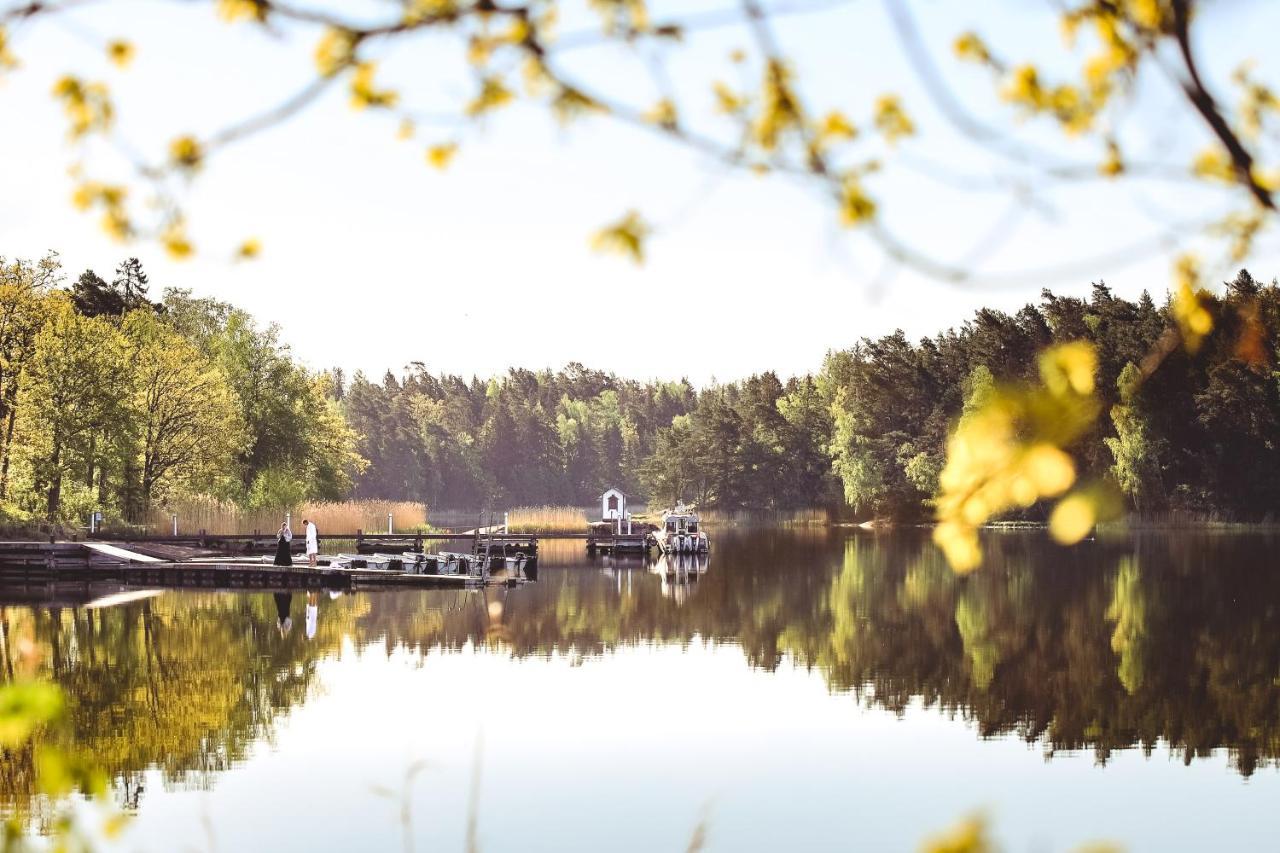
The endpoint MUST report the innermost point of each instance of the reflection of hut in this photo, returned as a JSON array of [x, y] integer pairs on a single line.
[[613, 505]]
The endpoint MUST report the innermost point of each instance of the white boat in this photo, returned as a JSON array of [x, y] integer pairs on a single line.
[[680, 532]]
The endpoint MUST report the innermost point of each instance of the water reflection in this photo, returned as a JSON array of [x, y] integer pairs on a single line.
[[1146, 642]]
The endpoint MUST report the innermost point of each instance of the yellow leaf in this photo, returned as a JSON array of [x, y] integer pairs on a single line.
[[1048, 469], [440, 156], [1069, 368], [970, 836], [1073, 518]]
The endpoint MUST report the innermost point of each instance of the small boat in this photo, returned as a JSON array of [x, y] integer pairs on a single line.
[[679, 532]]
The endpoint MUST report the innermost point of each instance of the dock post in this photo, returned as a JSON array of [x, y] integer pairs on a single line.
[[359, 541], [417, 542], [175, 525], [390, 526]]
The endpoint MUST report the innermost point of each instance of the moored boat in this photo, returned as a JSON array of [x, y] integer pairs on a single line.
[[681, 533]]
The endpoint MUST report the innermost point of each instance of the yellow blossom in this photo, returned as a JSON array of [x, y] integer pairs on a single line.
[[727, 100], [969, 46], [185, 152], [856, 207], [570, 103], [175, 242], [663, 114], [1113, 164], [120, 52], [493, 94], [242, 10], [891, 119], [1193, 318], [335, 50], [779, 110], [836, 126], [7, 59], [363, 91], [626, 236], [1215, 164], [249, 249]]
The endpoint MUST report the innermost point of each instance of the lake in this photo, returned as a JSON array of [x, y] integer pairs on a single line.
[[813, 689]]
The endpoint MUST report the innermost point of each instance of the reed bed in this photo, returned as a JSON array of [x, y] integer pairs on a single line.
[[808, 517], [547, 519], [215, 516]]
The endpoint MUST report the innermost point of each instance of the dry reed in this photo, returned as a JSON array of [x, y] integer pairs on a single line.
[[547, 519], [215, 516]]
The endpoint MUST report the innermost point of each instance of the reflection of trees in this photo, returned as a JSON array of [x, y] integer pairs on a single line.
[[182, 683], [1101, 647]]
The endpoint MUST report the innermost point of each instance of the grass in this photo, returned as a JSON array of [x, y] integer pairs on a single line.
[[547, 519], [214, 516]]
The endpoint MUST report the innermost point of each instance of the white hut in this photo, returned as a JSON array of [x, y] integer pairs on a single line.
[[613, 505]]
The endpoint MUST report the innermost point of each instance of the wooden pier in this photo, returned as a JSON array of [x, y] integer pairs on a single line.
[[24, 565], [619, 543], [257, 542]]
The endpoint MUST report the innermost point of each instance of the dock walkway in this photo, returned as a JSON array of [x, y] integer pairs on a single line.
[[24, 564]]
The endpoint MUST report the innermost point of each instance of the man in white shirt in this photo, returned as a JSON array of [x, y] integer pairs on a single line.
[[313, 542]]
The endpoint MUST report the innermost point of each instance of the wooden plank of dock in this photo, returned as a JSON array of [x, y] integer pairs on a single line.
[[121, 553]]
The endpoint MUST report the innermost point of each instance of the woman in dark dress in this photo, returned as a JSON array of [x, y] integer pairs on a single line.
[[283, 538]]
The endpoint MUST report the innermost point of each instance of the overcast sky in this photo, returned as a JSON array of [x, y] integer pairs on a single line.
[[372, 260]]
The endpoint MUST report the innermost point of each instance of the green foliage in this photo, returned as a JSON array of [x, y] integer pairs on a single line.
[[111, 402]]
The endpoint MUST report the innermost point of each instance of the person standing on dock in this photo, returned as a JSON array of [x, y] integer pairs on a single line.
[[283, 538], [313, 542]]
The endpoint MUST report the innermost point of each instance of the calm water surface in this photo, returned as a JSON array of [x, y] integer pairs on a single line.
[[812, 690]]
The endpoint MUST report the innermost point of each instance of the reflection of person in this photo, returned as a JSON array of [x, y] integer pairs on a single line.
[[284, 622], [313, 615], [283, 538], [313, 542]]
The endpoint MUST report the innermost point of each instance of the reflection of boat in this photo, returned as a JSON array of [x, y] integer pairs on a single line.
[[679, 573], [680, 533]]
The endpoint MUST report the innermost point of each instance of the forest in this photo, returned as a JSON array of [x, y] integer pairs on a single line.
[[112, 401]]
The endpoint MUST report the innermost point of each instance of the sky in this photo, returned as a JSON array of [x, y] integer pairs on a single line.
[[372, 260]]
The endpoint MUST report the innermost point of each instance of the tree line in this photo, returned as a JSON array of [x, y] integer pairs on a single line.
[[1179, 431], [112, 401]]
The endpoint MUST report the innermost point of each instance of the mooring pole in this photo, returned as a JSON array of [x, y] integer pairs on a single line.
[[390, 527], [175, 524]]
